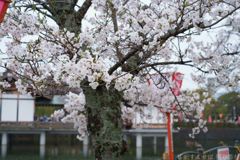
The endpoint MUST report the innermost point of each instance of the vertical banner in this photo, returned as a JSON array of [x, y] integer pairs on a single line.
[[3, 8], [177, 79], [209, 119]]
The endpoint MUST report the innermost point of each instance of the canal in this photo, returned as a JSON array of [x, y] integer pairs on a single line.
[[67, 147]]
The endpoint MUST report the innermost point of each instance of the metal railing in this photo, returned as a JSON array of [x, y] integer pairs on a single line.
[[36, 125], [55, 125], [211, 154], [153, 126]]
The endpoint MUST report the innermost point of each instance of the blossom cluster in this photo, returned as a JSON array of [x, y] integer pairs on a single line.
[[75, 112], [58, 114], [150, 96], [92, 69], [21, 88], [3, 85], [126, 82], [128, 113]]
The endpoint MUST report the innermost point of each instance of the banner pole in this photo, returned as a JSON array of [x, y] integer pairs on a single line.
[[170, 148]]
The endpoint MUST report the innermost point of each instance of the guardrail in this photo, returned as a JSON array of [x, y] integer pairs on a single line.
[[230, 153], [36, 125], [219, 125], [56, 125], [152, 126]]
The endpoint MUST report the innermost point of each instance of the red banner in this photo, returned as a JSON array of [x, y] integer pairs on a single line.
[[209, 119], [220, 115], [177, 79]]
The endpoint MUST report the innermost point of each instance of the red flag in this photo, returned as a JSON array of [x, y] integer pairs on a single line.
[[220, 115], [149, 83], [180, 115], [209, 119]]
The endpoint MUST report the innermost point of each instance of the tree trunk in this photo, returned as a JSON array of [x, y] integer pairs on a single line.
[[104, 122]]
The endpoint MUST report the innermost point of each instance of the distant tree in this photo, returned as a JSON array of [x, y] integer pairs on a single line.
[[227, 101], [208, 107], [223, 105]]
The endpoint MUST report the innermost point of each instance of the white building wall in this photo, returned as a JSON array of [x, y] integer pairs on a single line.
[[26, 108], [14, 108], [155, 112], [9, 107]]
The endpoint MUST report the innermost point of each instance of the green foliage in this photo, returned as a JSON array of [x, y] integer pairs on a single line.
[[129, 151], [45, 110], [186, 4], [228, 101]]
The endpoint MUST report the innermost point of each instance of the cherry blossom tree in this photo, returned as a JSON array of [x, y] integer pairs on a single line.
[[126, 44]]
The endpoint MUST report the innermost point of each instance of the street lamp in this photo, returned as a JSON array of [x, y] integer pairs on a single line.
[[3, 8]]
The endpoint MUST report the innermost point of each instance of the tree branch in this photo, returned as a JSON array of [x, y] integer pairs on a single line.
[[164, 63], [83, 10], [162, 40]]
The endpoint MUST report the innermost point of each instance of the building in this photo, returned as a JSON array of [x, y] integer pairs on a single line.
[[16, 107]]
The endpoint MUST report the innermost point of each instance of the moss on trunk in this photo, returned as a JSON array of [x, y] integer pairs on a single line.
[[104, 122]]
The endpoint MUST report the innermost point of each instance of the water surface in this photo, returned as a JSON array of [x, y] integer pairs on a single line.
[[67, 147]]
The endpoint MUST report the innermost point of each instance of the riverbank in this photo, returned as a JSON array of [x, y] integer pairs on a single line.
[[212, 134], [64, 146]]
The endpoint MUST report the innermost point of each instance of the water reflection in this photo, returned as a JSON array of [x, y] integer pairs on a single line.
[[154, 149], [85, 150], [42, 151], [139, 153], [73, 151], [56, 151], [86, 146], [4, 151]]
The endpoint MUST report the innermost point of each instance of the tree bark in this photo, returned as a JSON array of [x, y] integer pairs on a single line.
[[103, 105], [104, 122]]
